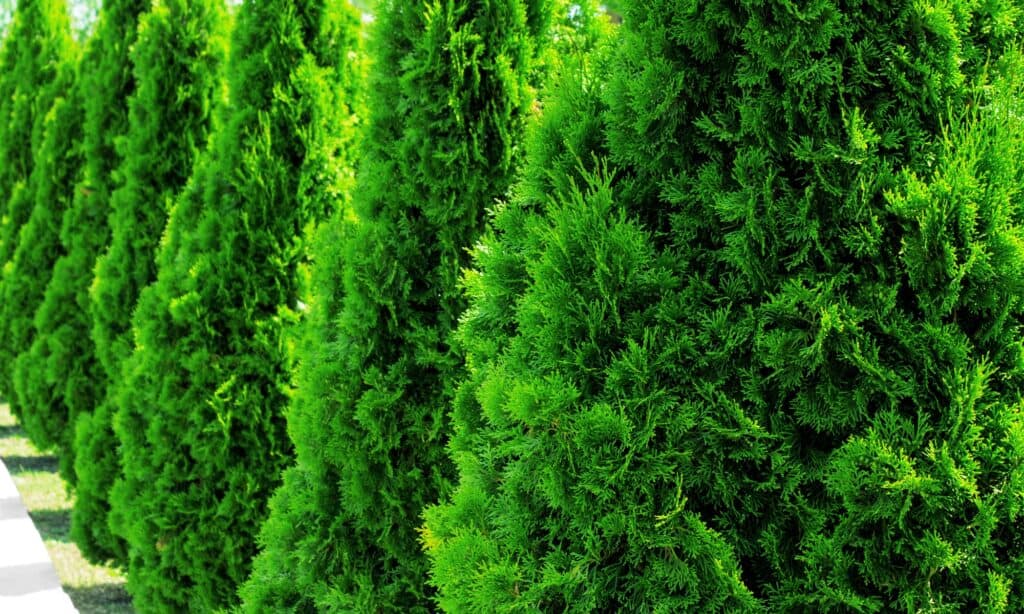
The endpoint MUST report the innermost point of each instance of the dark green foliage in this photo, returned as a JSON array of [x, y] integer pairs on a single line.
[[59, 376], [450, 94], [748, 335], [177, 60], [36, 66], [200, 413]]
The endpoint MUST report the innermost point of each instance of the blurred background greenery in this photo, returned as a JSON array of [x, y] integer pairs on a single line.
[[83, 15], [83, 12]]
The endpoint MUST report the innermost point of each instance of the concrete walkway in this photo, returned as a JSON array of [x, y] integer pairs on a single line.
[[28, 582]]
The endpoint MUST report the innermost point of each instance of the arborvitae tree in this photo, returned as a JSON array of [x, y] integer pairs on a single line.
[[748, 335], [200, 415], [177, 66], [37, 64], [58, 164], [59, 375], [450, 93]]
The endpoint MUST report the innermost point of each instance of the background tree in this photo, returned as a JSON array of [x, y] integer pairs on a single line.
[[59, 374], [747, 336], [450, 93], [177, 66], [58, 163], [200, 415], [36, 62]]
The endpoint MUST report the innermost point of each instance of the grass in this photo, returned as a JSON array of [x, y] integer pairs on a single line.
[[94, 589]]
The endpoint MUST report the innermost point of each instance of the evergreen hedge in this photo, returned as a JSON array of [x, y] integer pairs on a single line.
[[747, 337], [59, 375], [36, 64], [200, 415], [177, 69], [450, 93]]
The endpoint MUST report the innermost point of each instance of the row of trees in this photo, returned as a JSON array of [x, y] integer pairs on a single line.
[[502, 307]]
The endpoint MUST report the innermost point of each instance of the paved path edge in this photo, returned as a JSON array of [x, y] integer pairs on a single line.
[[28, 580]]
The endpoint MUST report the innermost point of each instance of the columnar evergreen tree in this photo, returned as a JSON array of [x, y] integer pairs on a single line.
[[58, 163], [37, 66], [747, 337], [200, 415], [59, 374], [450, 94], [177, 66]]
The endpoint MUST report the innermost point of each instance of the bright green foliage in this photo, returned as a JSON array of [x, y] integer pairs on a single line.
[[450, 93], [58, 162], [58, 376], [36, 66], [200, 413], [748, 335], [177, 59]]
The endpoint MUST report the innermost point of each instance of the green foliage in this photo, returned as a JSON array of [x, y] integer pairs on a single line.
[[177, 69], [58, 163], [200, 414], [450, 93], [747, 336], [59, 375], [947, 478], [36, 65]]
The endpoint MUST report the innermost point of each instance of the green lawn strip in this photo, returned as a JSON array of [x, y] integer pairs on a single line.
[[92, 588]]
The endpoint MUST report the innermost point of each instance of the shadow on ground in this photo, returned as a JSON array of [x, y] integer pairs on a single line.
[[23, 464], [101, 598], [9, 430], [54, 525]]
